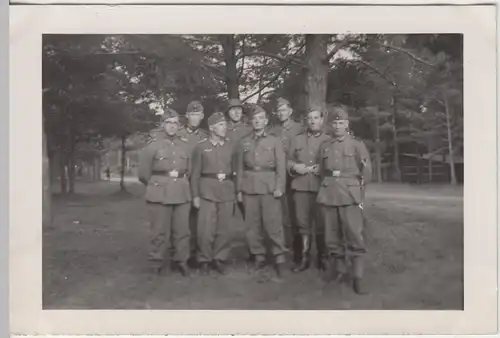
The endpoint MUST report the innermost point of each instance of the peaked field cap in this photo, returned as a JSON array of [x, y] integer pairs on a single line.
[[282, 102], [339, 113], [256, 109], [234, 103], [194, 107], [169, 113], [216, 118]]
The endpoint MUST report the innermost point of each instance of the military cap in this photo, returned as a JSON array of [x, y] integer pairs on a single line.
[[256, 109], [169, 113], [216, 118], [339, 113], [234, 103], [282, 102], [194, 107]]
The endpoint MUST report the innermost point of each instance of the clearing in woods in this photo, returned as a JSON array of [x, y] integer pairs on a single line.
[[94, 257]]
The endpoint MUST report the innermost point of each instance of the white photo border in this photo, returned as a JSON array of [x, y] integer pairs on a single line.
[[477, 23]]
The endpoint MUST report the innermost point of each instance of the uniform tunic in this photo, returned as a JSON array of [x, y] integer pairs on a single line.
[[237, 130], [341, 166], [305, 149], [261, 170], [163, 168], [212, 181], [193, 137]]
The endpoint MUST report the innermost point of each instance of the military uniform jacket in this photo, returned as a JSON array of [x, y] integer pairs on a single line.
[[286, 132], [159, 161], [210, 160], [260, 164], [237, 130], [304, 148], [192, 137], [341, 170]]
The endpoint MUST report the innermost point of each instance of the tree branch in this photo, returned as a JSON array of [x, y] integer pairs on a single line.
[[202, 41], [413, 56], [275, 56], [214, 69], [339, 45], [373, 68]]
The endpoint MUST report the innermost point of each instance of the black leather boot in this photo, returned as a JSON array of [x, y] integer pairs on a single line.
[[219, 267], [183, 269], [305, 254], [297, 249], [321, 259], [357, 270]]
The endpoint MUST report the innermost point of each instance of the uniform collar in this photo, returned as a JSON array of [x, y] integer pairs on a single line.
[[341, 138], [287, 124], [264, 134], [192, 131], [317, 134], [217, 142]]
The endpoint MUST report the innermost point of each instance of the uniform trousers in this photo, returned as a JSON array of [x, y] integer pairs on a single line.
[[263, 218], [213, 231], [307, 214], [343, 231], [169, 223]]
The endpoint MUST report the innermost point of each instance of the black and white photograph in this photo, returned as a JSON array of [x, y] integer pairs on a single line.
[[193, 170], [253, 171]]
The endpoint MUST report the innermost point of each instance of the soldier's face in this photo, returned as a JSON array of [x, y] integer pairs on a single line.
[[314, 121], [171, 126], [219, 128], [259, 121], [235, 113], [194, 118], [284, 113], [340, 127]]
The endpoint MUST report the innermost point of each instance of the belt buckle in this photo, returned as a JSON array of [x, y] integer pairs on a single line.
[[174, 173], [256, 168], [335, 173], [221, 176]]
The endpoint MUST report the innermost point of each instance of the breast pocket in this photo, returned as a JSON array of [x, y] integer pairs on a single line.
[[267, 156], [349, 158], [161, 160]]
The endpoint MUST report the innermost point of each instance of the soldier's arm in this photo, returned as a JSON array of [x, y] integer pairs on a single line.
[[319, 160], [146, 157], [290, 157], [364, 161], [280, 166], [196, 162], [238, 164]]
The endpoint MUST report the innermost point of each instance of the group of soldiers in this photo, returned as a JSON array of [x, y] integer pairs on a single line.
[[290, 184]]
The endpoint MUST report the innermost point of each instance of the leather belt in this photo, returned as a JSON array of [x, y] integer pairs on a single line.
[[170, 173], [338, 173], [218, 176], [258, 168]]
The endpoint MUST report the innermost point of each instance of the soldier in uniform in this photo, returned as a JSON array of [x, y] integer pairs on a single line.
[[260, 183], [286, 130], [194, 134], [214, 194], [163, 168], [236, 126], [302, 165], [343, 161]]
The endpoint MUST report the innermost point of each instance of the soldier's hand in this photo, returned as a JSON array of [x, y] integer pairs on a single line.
[[277, 193], [300, 168], [239, 197], [196, 202], [315, 169]]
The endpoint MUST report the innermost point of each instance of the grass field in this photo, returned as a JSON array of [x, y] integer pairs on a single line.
[[94, 257]]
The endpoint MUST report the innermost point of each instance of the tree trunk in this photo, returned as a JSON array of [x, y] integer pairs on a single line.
[[229, 46], [378, 155], [316, 74], [450, 140], [122, 166], [396, 175], [62, 172], [98, 169], [47, 195]]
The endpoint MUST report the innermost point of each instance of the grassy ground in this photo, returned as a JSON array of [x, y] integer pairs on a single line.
[[94, 258]]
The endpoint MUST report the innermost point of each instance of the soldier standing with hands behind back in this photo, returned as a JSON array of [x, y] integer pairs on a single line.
[[260, 182], [214, 194], [163, 168], [344, 163]]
